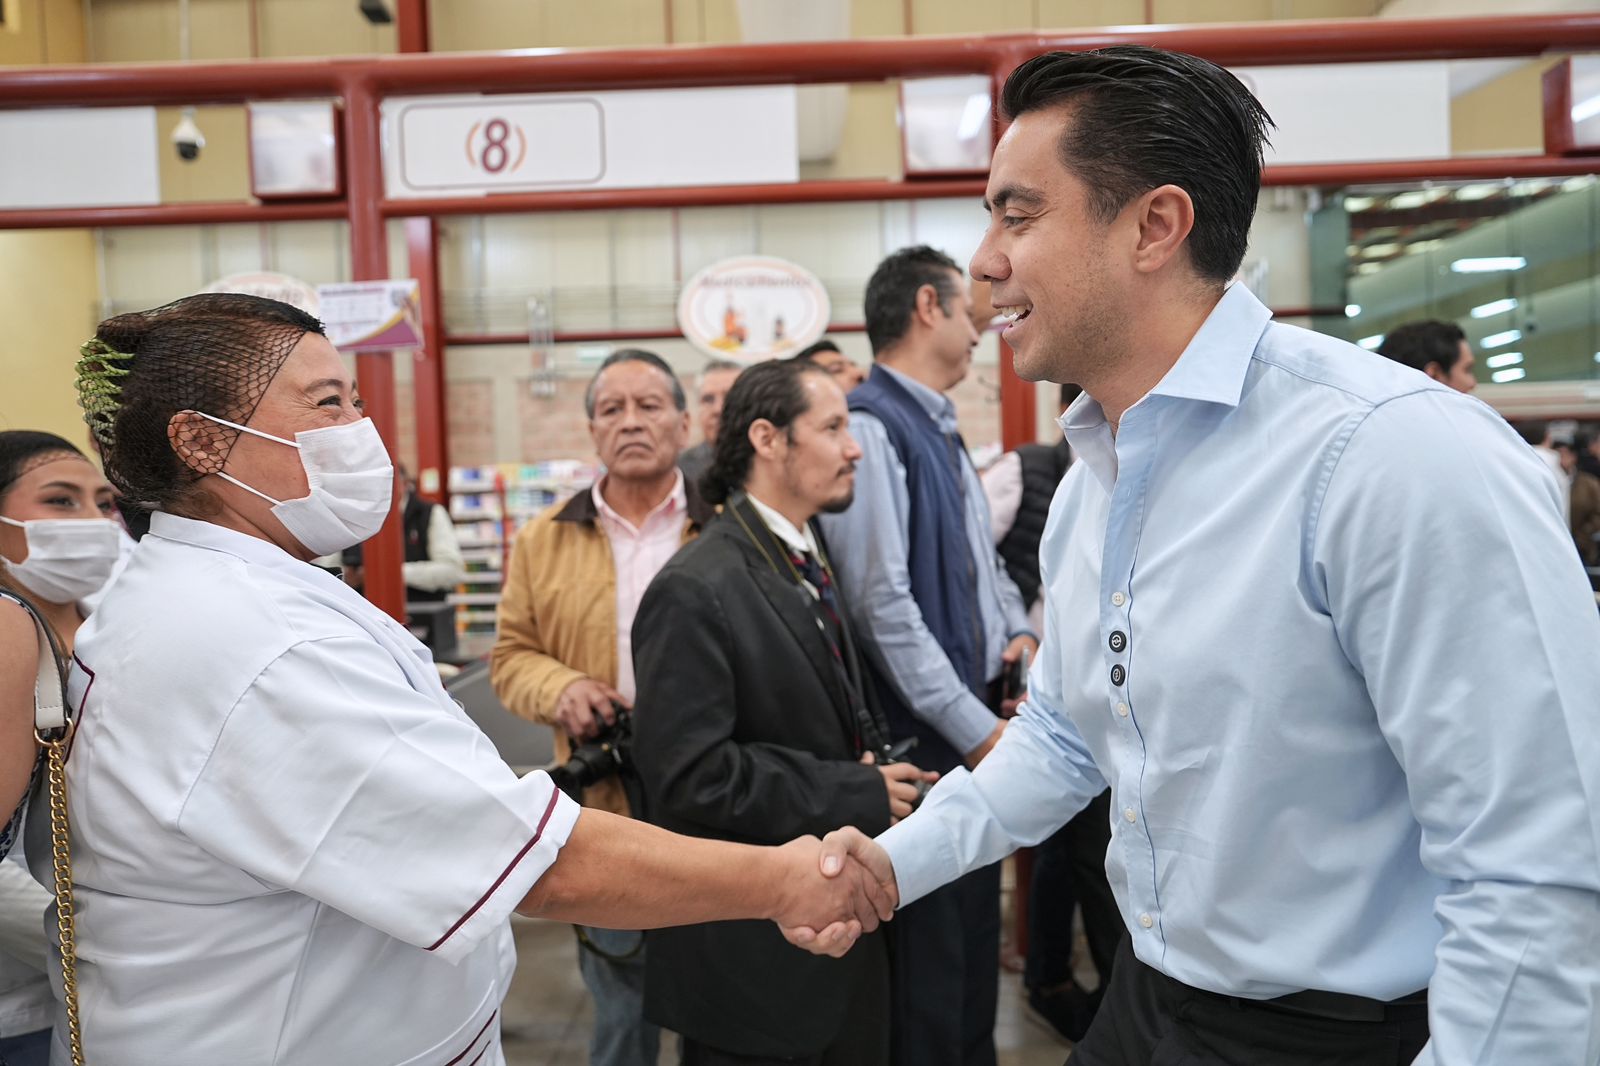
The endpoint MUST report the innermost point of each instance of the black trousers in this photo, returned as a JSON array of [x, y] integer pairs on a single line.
[[944, 954], [862, 1040], [1148, 1019], [1069, 869]]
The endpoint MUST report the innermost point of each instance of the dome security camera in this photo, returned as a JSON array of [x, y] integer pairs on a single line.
[[187, 138]]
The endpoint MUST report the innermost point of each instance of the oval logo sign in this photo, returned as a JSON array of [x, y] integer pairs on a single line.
[[752, 308], [280, 287]]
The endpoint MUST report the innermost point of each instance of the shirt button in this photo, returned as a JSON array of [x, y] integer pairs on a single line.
[[1118, 599], [1122, 709], [1129, 814], [1118, 641], [1118, 675], [1146, 921]]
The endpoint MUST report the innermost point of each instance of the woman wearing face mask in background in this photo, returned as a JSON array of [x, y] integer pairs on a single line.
[[57, 549], [289, 845]]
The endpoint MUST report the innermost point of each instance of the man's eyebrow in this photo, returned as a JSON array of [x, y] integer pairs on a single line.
[[327, 383], [1013, 194]]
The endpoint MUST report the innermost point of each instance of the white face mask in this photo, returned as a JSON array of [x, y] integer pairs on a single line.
[[68, 558], [351, 479]]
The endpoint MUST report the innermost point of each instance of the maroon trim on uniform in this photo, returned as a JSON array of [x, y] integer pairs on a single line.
[[555, 794], [85, 668], [474, 1042]]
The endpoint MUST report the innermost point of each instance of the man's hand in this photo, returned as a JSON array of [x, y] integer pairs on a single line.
[[847, 855], [902, 780], [826, 888], [975, 756], [581, 701]]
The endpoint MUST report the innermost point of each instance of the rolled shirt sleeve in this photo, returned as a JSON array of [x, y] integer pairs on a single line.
[[333, 778], [868, 544], [1494, 724]]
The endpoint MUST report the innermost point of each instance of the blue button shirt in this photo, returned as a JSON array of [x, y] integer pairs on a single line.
[[870, 544], [1318, 623]]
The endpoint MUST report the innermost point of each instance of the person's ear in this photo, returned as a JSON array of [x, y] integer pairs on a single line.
[[927, 309], [765, 438], [200, 443], [1163, 219]]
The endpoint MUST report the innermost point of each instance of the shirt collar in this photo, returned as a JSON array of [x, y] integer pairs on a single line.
[[1212, 368], [936, 403], [213, 537], [677, 501], [800, 541]]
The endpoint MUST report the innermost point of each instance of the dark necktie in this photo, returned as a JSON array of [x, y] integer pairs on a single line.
[[817, 577]]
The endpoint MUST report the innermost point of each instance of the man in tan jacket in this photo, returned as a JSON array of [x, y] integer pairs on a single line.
[[564, 655]]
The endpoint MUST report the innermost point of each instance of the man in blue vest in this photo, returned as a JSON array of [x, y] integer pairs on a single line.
[[946, 621]]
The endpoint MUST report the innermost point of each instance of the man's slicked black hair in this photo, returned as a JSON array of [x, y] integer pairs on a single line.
[[1143, 118]]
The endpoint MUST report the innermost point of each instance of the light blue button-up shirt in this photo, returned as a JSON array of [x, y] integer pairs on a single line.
[[870, 544], [1319, 624]]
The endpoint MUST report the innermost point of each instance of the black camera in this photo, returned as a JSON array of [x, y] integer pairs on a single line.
[[898, 752], [594, 760]]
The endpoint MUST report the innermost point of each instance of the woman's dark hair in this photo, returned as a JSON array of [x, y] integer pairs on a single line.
[[23, 449], [770, 390], [1143, 118], [216, 353], [892, 292]]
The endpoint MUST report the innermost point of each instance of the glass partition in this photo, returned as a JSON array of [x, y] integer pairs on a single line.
[[1513, 262]]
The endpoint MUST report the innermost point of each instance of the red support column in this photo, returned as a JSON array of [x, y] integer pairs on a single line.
[[369, 261], [411, 24], [433, 447], [1019, 421]]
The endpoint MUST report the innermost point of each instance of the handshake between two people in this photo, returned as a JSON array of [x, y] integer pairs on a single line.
[[844, 887]]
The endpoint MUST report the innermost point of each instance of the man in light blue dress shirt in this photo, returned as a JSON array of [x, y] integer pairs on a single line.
[[1313, 617]]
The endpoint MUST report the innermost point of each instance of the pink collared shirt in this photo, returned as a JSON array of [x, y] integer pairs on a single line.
[[638, 554]]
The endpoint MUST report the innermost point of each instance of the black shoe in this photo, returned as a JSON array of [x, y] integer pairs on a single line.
[[1067, 1009]]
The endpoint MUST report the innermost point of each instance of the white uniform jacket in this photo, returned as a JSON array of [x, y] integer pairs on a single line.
[[291, 847]]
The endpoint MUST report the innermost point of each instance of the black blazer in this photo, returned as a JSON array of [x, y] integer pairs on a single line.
[[744, 731]]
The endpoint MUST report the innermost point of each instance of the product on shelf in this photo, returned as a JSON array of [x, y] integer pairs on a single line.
[[488, 505]]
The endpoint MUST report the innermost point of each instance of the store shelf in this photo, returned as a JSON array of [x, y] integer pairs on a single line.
[[488, 505]]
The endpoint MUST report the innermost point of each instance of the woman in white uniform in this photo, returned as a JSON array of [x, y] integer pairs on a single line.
[[290, 846], [58, 544]]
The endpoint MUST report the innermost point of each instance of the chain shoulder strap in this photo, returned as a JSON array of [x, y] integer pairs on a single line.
[[61, 856], [53, 732]]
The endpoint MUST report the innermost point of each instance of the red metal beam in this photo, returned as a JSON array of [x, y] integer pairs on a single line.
[[552, 70], [799, 192], [1465, 169], [369, 260], [427, 367], [200, 214], [1320, 174]]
